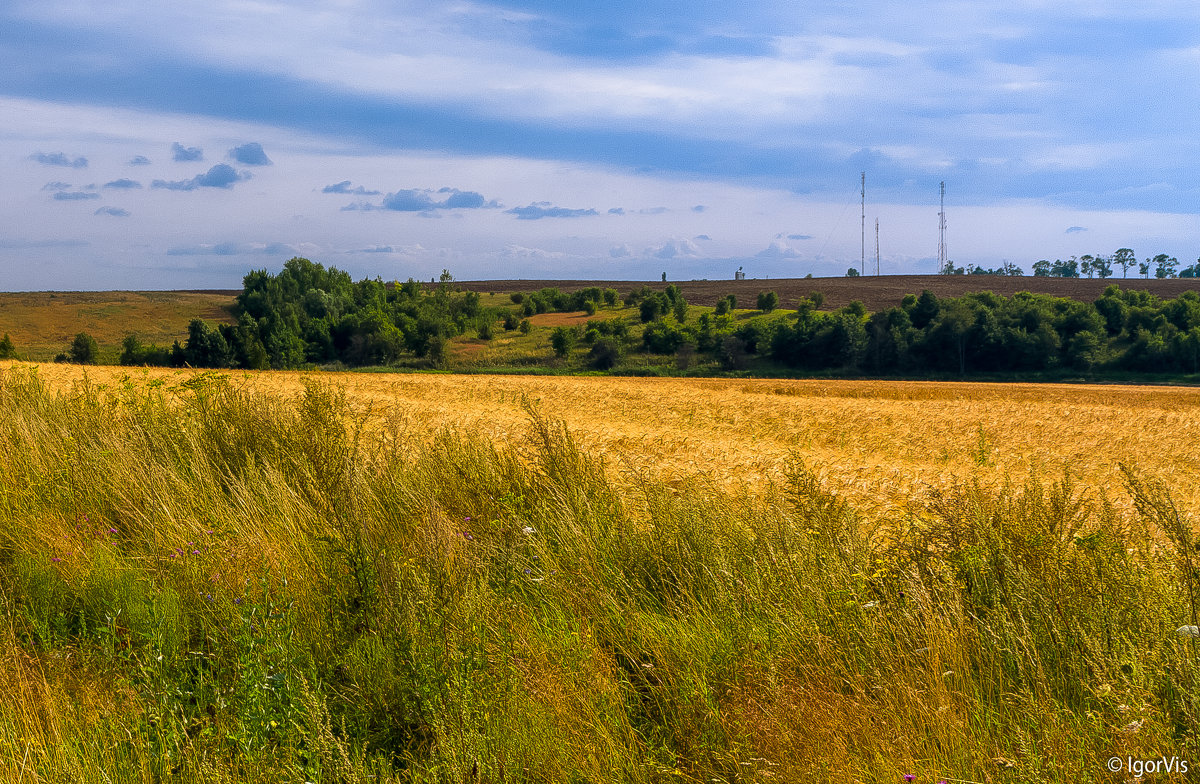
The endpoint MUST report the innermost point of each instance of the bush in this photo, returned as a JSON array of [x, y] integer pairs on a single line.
[[7, 351], [83, 350], [562, 340], [605, 354], [767, 301], [525, 326], [511, 321]]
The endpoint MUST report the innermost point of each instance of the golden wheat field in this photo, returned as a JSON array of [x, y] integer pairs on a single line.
[[881, 444]]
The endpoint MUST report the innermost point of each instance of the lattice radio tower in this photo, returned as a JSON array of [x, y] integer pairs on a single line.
[[877, 247], [942, 260], [862, 263]]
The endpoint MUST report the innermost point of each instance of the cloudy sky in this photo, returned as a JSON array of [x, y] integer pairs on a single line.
[[182, 144]]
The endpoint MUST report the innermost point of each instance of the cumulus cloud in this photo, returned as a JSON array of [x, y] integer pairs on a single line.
[[543, 209], [75, 195], [123, 184], [181, 153], [139, 160], [617, 211], [799, 236], [344, 187], [1075, 229], [518, 252], [423, 200], [620, 251], [220, 176], [57, 186], [672, 249], [116, 212], [778, 250], [251, 154], [59, 159]]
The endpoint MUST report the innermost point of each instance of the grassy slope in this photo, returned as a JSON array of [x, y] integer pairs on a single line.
[[42, 324], [204, 584]]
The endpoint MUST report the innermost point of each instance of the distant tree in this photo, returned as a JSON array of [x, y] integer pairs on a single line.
[[524, 327], [7, 350], [1165, 266], [1085, 264], [1144, 268], [767, 301], [561, 340], [1041, 269], [83, 350], [1124, 258], [851, 273], [605, 354], [664, 277], [680, 309], [817, 298], [1102, 266]]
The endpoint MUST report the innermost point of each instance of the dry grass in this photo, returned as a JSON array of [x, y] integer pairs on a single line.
[[43, 321], [879, 443]]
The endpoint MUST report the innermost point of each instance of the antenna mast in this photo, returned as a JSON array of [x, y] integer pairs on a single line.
[[942, 261], [877, 246], [862, 264]]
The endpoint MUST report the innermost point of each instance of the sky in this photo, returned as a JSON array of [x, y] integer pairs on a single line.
[[151, 145]]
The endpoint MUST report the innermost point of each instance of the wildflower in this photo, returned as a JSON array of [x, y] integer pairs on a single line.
[[528, 529], [195, 552], [909, 777], [112, 530], [527, 571], [56, 559]]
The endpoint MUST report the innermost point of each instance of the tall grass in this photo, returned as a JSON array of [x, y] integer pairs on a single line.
[[200, 584]]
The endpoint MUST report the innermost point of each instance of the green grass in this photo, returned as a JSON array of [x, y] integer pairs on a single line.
[[198, 585]]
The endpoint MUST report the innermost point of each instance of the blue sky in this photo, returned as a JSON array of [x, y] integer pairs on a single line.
[[179, 145]]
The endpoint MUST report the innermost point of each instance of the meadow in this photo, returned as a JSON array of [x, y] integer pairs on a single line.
[[330, 577]]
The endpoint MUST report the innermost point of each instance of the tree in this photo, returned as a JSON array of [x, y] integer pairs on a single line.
[[7, 351], [1041, 269], [1144, 268], [767, 301], [84, 350], [851, 273], [1165, 266], [1085, 264], [561, 340], [1124, 258], [1102, 266]]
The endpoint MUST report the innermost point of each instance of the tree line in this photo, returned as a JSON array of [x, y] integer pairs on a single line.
[[1085, 266], [309, 315]]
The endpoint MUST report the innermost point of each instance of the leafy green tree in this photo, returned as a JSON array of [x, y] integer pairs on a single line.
[[767, 301], [1102, 266], [1165, 266], [851, 272], [1124, 258], [562, 340], [83, 350], [1041, 269], [7, 350], [605, 354], [680, 309]]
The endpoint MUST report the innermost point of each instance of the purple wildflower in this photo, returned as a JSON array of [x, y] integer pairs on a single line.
[[56, 559], [909, 777]]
